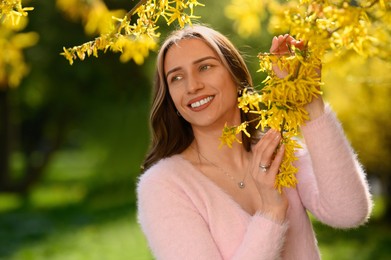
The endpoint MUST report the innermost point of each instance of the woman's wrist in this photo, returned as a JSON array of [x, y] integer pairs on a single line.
[[315, 109]]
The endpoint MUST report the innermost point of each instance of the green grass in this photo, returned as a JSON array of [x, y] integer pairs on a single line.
[[119, 238], [51, 227]]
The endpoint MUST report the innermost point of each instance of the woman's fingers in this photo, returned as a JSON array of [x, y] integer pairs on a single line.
[[265, 148], [275, 43], [281, 45], [264, 159]]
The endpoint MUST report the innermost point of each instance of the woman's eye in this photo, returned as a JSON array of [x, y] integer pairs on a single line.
[[176, 78], [205, 67]]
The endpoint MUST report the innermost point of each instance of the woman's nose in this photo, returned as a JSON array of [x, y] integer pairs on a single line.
[[194, 84]]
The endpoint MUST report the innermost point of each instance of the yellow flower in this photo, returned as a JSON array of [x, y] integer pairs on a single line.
[[137, 49], [247, 16], [228, 136], [242, 128], [12, 65], [286, 176], [12, 10], [248, 102], [133, 41]]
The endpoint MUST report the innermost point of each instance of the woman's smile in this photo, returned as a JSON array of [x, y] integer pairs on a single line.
[[199, 104]]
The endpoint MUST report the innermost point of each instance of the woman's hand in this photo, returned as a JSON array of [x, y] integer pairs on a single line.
[[265, 164], [281, 45]]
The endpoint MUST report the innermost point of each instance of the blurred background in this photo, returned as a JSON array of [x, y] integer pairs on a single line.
[[73, 138]]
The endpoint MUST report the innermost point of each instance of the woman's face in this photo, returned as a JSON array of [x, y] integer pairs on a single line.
[[200, 85]]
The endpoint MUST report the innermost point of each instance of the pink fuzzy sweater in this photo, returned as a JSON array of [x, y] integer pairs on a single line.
[[184, 215]]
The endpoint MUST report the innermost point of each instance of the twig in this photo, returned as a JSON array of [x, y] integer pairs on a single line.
[[133, 10]]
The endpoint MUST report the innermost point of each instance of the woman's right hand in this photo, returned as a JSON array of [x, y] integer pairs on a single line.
[[281, 46], [267, 153]]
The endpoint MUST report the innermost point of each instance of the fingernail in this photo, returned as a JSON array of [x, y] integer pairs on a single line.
[[268, 132]]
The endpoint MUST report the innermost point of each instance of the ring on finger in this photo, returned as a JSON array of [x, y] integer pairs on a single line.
[[264, 168]]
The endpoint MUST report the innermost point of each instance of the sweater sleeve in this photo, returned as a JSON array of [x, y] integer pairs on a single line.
[[264, 239], [175, 229], [332, 183]]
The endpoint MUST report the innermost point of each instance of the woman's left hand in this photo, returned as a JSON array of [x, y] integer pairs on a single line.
[[281, 45], [264, 167]]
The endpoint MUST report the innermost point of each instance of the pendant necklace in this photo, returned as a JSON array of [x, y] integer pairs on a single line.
[[241, 184]]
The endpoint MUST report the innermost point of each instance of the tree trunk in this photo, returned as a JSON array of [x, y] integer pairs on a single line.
[[387, 200], [33, 171], [4, 136]]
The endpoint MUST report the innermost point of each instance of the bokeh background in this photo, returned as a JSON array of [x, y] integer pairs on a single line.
[[78, 134]]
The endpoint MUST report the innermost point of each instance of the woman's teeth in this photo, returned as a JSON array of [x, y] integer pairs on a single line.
[[201, 102]]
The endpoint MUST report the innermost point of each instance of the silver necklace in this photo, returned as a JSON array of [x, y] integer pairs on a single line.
[[241, 184]]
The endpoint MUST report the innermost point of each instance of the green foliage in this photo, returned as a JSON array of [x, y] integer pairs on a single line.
[[52, 106], [71, 232], [365, 243], [84, 208]]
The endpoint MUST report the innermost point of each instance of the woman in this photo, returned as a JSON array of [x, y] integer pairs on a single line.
[[196, 201]]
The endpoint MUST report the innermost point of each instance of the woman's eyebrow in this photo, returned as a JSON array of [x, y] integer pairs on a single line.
[[195, 62], [172, 71], [205, 58]]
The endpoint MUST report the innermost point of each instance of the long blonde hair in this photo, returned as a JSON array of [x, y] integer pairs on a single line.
[[172, 134]]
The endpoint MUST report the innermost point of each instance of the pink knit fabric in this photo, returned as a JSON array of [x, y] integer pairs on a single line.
[[184, 215]]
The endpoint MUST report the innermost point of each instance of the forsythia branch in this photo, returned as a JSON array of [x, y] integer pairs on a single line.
[[135, 40]]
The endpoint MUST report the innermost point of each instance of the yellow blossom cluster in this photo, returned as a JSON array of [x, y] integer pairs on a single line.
[[12, 64], [285, 99], [247, 16], [287, 175], [12, 43], [94, 14], [326, 26], [280, 105], [229, 134], [134, 40], [13, 10], [337, 26]]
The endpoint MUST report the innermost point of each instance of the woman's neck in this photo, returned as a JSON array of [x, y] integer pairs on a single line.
[[208, 144]]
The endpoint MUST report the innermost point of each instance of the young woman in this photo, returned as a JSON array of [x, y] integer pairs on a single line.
[[199, 201]]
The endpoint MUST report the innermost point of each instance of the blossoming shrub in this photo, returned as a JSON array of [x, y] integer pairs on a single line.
[[329, 29]]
